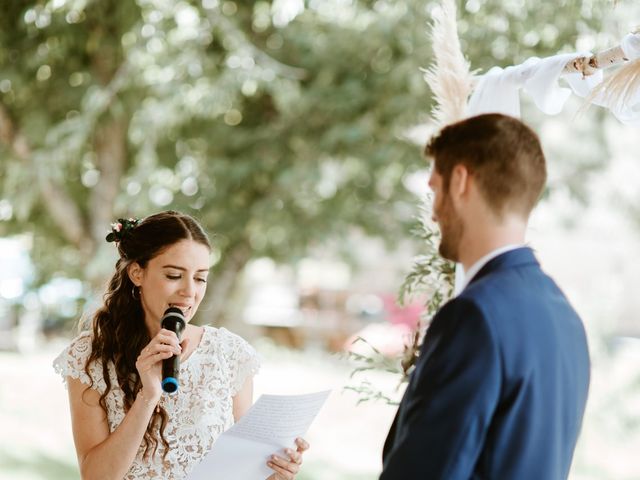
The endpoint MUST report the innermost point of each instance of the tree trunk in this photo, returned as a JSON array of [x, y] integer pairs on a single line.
[[110, 149], [217, 304]]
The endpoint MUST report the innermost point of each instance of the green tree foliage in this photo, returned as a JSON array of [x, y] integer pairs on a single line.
[[279, 124]]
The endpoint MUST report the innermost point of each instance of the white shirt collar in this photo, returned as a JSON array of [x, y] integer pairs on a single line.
[[476, 267]]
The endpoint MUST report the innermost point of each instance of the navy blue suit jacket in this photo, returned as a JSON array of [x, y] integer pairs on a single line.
[[500, 386]]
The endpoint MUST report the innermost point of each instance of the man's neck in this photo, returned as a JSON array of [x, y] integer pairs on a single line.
[[476, 244]]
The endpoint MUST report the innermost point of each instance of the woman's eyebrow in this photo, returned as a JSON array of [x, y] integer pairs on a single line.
[[184, 269]]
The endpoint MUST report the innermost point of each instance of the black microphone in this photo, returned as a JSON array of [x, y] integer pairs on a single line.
[[173, 320]]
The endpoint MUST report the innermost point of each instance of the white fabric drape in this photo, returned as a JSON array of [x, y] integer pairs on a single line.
[[499, 89]]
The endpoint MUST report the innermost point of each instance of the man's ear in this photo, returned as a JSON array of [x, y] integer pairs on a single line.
[[134, 270], [459, 182]]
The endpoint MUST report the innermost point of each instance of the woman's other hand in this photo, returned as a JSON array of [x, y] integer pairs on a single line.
[[287, 468]]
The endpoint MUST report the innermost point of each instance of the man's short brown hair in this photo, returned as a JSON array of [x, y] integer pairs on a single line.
[[503, 155]]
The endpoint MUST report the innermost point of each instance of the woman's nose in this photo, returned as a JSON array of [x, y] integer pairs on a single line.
[[188, 287]]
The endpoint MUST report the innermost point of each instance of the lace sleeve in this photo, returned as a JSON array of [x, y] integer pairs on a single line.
[[72, 360], [241, 357]]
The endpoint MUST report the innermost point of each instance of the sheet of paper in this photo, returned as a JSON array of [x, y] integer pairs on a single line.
[[271, 425]]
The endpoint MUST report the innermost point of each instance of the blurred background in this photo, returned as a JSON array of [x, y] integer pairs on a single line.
[[293, 131]]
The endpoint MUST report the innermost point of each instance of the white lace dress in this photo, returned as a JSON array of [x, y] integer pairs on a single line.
[[198, 414]]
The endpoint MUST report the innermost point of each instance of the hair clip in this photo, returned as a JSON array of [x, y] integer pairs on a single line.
[[121, 228]]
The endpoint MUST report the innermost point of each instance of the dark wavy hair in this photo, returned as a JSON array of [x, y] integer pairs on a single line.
[[119, 330]]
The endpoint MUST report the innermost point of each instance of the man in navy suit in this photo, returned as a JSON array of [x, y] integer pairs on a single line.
[[500, 386]]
